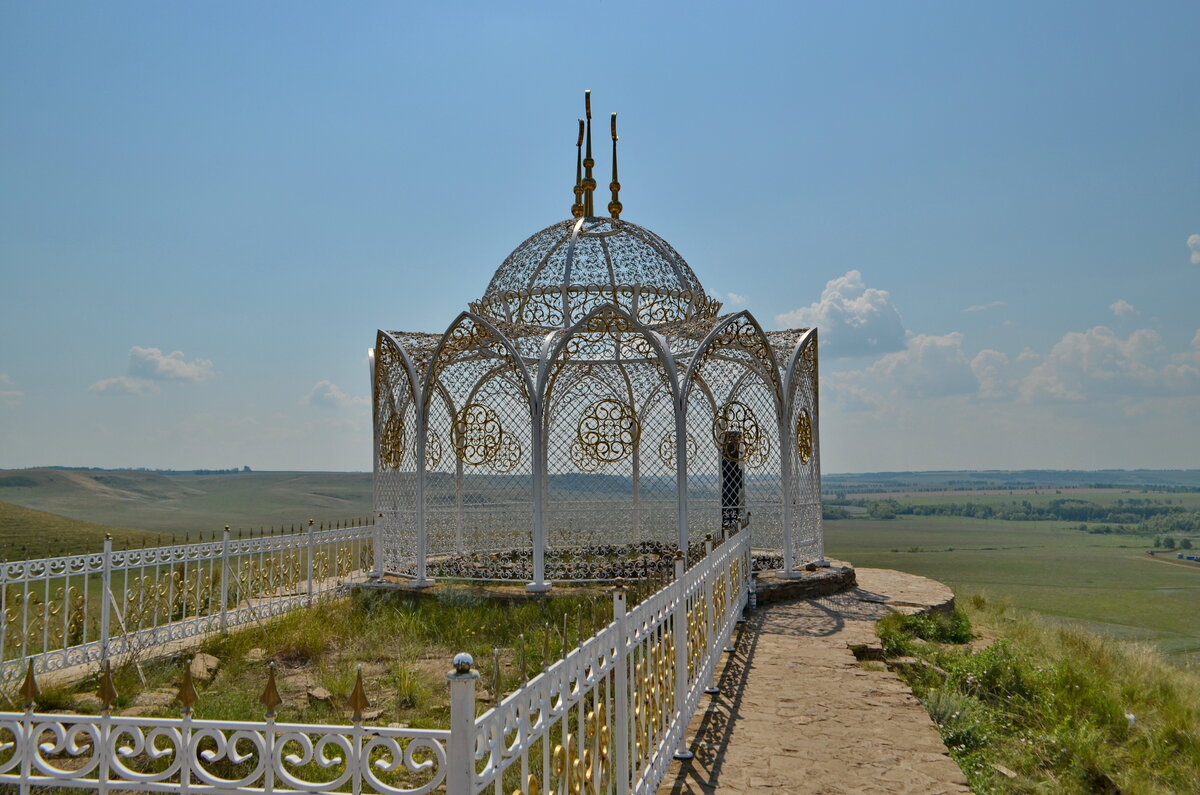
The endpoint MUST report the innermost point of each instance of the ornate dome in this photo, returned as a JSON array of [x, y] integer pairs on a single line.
[[560, 273]]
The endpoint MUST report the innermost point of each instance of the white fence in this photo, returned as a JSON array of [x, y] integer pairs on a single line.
[[607, 718], [77, 609]]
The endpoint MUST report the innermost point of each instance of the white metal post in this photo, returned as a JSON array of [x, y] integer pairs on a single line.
[[681, 474], [539, 584], [680, 620], [460, 747], [106, 580], [621, 696], [225, 582], [309, 548]]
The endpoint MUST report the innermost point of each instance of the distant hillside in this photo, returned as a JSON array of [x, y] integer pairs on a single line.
[[26, 533], [189, 503], [967, 480]]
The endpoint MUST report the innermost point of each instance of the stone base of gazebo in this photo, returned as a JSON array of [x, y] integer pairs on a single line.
[[807, 583]]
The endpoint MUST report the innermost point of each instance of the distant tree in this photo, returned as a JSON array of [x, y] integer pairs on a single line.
[[1185, 543], [1168, 543]]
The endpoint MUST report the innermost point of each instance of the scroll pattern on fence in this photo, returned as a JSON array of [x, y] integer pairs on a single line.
[[209, 756], [77, 609]]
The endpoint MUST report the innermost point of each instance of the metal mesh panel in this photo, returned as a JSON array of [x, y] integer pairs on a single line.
[[478, 455], [609, 407], [395, 457], [808, 540], [734, 481]]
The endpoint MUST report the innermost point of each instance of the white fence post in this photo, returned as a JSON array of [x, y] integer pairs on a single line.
[[106, 597], [710, 617], [621, 694], [309, 548], [460, 747], [680, 620], [225, 582]]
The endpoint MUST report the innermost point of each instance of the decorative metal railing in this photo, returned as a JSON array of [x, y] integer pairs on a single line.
[[72, 610], [607, 718]]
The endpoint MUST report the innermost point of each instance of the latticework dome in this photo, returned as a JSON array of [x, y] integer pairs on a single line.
[[561, 273]]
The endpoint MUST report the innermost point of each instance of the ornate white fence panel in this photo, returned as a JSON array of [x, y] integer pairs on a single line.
[[610, 716], [208, 756], [77, 609]]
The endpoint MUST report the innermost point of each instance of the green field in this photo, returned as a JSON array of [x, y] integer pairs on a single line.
[[26, 533], [1106, 582]]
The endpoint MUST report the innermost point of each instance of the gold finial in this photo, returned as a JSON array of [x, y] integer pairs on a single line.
[[577, 207], [270, 697], [589, 184], [187, 691], [358, 698], [614, 206], [29, 689], [107, 692]]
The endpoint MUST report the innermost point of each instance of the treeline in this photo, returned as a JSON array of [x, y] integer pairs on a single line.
[[1136, 515]]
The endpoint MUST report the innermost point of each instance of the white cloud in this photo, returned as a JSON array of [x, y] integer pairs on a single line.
[[124, 385], [734, 298], [855, 320], [991, 368], [1196, 340], [982, 307], [153, 364], [327, 394], [1194, 246], [10, 398], [1100, 365], [1122, 308], [929, 367]]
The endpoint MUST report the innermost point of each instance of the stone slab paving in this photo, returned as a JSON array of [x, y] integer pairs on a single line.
[[797, 713]]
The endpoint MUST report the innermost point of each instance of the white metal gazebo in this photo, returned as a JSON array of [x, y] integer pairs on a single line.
[[590, 415]]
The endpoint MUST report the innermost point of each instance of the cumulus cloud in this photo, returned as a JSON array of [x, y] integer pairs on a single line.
[[982, 307], [153, 364], [124, 385], [991, 370], [1194, 247], [1098, 363], [12, 397], [1122, 308], [149, 365], [326, 394], [929, 367], [855, 320], [734, 298]]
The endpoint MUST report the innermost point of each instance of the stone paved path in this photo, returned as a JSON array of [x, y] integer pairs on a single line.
[[798, 714]]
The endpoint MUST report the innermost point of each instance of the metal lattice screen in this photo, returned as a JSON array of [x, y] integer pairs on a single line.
[[808, 538], [395, 458]]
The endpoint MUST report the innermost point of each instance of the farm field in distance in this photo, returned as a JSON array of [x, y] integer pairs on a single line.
[[1101, 577], [1104, 580]]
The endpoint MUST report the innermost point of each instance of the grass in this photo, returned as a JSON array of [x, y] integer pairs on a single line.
[[1051, 708], [26, 533], [403, 643], [1106, 582]]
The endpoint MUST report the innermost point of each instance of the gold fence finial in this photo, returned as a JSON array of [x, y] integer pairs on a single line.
[[187, 691], [107, 692], [614, 206], [358, 698], [270, 697], [29, 688], [577, 207], [589, 183]]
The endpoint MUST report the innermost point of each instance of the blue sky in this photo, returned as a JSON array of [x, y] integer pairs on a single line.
[[209, 208]]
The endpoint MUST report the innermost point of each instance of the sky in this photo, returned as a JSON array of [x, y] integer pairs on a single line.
[[991, 212]]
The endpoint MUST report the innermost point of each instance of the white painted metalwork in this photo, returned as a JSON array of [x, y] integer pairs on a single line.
[[550, 403], [139, 754], [82, 609]]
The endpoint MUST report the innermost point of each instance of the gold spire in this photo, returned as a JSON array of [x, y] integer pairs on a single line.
[[107, 693], [270, 697], [614, 206], [577, 207], [187, 691], [589, 184], [358, 698], [29, 689]]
